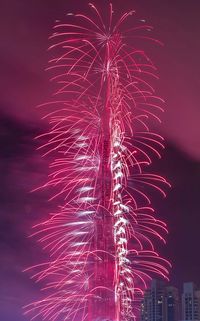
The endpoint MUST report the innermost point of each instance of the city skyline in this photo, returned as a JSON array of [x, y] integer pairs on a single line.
[[164, 302]]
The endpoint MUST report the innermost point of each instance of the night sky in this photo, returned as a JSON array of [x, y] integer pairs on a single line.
[[25, 27]]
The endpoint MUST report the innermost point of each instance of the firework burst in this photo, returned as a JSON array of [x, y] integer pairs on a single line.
[[100, 238]]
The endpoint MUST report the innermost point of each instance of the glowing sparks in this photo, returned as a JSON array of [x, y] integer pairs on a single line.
[[100, 240]]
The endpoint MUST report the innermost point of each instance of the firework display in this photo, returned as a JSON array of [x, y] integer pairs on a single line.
[[100, 238]]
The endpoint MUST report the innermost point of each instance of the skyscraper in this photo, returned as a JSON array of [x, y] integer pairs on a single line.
[[160, 303], [190, 302], [172, 305]]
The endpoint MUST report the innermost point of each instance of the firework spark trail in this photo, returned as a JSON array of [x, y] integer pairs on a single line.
[[100, 239]]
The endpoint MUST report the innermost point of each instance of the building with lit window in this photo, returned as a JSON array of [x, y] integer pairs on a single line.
[[160, 303], [172, 304], [190, 302]]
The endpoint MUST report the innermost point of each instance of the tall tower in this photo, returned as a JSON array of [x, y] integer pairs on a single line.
[[101, 236], [102, 305]]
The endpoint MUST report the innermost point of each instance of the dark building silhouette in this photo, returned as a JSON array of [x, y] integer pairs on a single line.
[[172, 304], [160, 303], [190, 302]]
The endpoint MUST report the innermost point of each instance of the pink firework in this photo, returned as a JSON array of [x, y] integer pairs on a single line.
[[100, 238]]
